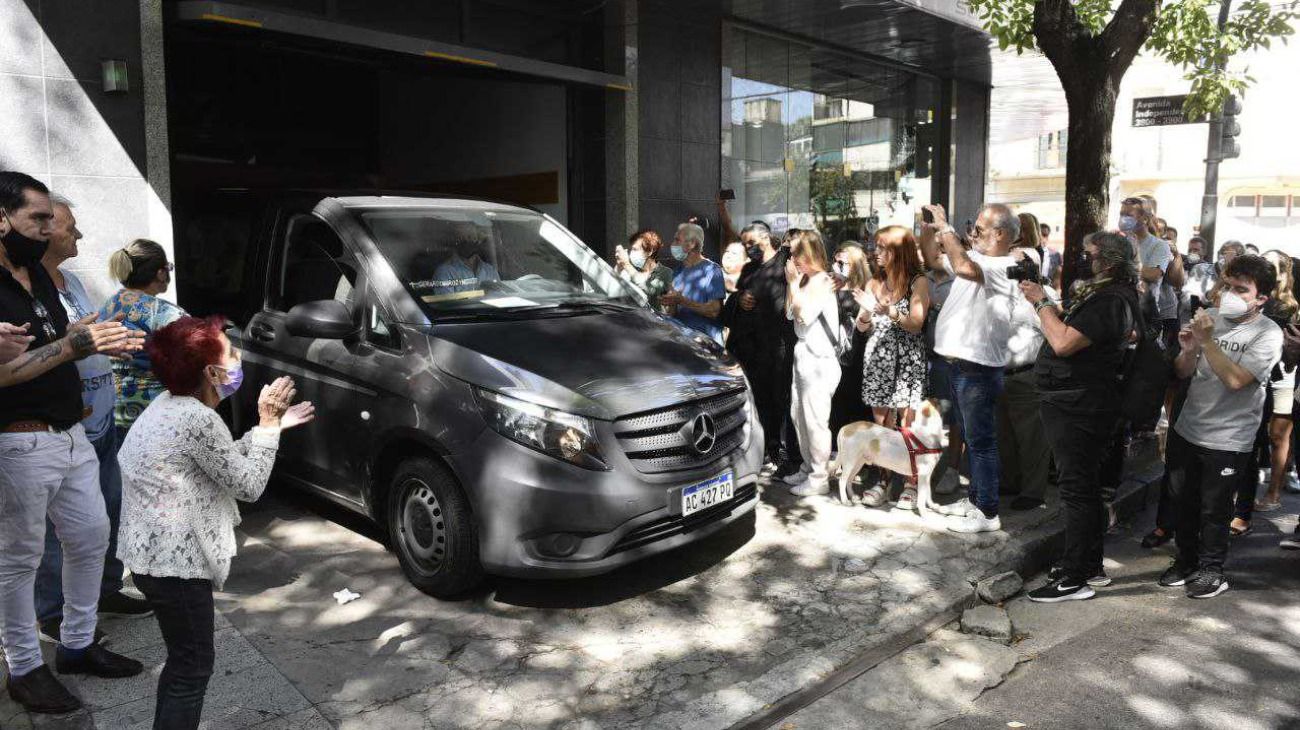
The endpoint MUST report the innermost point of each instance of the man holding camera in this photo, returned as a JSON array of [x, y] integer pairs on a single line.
[[1229, 352], [971, 339]]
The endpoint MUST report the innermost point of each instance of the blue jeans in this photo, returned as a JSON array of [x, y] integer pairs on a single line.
[[975, 390], [49, 577]]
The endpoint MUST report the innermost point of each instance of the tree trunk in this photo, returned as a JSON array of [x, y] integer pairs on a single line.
[[1087, 168]]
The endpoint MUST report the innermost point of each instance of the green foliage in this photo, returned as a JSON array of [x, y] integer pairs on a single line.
[[1186, 33]]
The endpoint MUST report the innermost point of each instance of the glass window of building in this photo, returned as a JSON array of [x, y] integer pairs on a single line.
[[816, 138]]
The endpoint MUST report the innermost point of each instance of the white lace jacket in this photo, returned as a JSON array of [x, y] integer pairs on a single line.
[[181, 474]]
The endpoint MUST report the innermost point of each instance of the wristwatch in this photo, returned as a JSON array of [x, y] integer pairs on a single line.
[[1043, 305]]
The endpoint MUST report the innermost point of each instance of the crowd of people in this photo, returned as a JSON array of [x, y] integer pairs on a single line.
[[113, 458], [1040, 387]]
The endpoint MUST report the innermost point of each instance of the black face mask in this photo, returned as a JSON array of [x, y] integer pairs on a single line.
[[755, 253], [21, 250], [467, 249], [1085, 263]]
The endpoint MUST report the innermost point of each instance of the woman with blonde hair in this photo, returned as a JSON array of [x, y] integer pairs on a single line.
[[810, 302], [892, 309], [144, 272]]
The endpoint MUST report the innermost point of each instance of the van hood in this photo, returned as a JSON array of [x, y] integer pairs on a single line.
[[603, 363]]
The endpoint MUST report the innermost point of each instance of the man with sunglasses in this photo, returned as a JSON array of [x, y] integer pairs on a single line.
[[47, 465]]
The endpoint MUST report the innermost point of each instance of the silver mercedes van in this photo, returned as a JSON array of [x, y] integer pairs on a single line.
[[489, 391]]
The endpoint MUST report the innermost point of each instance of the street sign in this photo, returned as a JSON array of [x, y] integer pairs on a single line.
[[1160, 111]]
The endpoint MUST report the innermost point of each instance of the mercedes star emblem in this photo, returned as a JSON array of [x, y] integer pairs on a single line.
[[704, 433]]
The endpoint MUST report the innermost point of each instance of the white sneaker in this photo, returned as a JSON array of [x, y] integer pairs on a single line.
[[960, 508], [798, 477], [975, 522], [810, 488]]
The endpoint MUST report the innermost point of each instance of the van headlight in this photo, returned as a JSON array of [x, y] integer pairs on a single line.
[[555, 433]]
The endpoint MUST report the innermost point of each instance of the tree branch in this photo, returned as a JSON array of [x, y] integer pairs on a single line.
[[1126, 33], [1064, 40]]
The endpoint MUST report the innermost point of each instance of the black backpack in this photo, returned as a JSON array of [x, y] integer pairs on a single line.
[[1146, 374]]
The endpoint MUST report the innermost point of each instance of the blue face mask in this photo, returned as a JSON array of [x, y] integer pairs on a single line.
[[679, 253], [638, 259], [1128, 223]]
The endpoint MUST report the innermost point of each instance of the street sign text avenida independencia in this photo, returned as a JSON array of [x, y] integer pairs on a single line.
[[1160, 111]]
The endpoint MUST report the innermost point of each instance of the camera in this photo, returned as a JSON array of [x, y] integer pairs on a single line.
[[1024, 270]]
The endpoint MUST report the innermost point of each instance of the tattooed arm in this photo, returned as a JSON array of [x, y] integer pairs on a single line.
[[85, 338]]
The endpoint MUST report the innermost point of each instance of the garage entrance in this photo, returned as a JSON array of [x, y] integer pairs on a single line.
[[253, 111]]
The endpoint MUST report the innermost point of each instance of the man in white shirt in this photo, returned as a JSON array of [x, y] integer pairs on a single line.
[[971, 340]]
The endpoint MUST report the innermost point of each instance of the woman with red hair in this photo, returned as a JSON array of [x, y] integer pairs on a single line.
[[181, 474], [893, 309]]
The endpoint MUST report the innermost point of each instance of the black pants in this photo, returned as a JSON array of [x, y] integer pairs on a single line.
[[1166, 513], [185, 613], [1079, 426], [1202, 482], [1260, 456], [769, 365]]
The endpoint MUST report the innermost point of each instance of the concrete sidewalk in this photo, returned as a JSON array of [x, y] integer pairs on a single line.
[[746, 626]]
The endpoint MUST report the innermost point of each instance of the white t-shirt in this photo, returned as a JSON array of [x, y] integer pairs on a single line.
[[1220, 419], [975, 323]]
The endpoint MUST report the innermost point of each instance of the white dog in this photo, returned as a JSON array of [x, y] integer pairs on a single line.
[[912, 452]]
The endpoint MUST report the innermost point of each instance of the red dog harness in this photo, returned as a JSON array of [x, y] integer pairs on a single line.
[[915, 448]]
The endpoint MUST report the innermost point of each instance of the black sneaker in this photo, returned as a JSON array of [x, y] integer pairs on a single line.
[[1206, 584], [39, 691], [48, 631], [1062, 590], [1155, 539], [1098, 580], [785, 469], [97, 662], [120, 604], [1176, 575]]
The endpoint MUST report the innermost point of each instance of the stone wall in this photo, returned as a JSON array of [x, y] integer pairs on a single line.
[[678, 94], [59, 125]]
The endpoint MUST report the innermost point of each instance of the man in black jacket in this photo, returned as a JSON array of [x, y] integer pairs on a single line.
[[763, 339]]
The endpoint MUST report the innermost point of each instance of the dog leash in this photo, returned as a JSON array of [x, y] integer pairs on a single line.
[[915, 448]]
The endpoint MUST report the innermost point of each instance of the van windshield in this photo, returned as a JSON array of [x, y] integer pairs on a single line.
[[484, 260]]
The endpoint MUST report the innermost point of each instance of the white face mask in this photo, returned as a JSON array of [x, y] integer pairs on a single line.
[[1231, 305]]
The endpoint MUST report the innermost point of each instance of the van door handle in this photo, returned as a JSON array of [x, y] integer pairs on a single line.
[[262, 332]]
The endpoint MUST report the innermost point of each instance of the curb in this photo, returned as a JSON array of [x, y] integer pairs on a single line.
[[1035, 549]]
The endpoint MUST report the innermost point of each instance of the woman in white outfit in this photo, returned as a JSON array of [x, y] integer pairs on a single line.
[[810, 301]]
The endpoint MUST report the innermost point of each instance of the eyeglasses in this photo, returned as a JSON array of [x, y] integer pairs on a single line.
[[169, 267]]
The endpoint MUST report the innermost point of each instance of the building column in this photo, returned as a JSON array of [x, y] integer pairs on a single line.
[[622, 127]]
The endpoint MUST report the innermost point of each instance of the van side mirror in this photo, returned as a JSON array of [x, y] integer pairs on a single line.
[[326, 320]]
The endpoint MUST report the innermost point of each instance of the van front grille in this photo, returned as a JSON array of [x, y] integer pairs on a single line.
[[666, 440]]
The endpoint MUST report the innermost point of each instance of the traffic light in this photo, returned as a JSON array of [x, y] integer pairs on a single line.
[[1229, 147]]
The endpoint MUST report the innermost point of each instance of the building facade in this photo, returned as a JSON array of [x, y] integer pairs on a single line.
[[610, 116], [1259, 192]]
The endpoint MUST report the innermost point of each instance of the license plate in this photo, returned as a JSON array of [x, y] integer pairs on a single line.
[[706, 494]]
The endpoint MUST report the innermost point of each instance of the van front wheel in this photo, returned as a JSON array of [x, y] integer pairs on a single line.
[[432, 529]]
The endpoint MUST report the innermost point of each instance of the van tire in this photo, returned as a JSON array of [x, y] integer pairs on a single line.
[[432, 529]]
